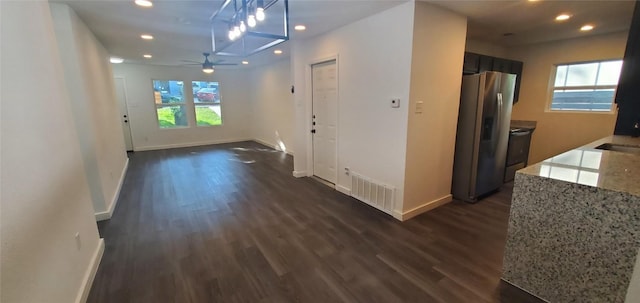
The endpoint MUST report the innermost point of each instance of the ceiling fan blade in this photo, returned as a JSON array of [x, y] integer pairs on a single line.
[[191, 64], [191, 61], [218, 64]]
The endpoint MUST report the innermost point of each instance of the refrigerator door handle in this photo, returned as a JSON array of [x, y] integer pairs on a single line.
[[499, 97], [500, 103]]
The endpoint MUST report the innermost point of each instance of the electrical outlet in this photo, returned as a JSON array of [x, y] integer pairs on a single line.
[[347, 171]]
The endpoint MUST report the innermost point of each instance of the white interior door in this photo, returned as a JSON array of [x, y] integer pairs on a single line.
[[124, 113], [325, 119]]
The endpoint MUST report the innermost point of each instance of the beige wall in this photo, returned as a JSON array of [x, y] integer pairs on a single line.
[[486, 48], [559, 132], [435, 80]]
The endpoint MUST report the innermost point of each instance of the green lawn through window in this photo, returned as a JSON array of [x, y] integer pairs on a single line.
[[206, 116]]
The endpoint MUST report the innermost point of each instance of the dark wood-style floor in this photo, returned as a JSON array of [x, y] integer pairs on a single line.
[[229, 223]]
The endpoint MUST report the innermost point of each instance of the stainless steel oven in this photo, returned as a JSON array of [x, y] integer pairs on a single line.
[[517, 152]]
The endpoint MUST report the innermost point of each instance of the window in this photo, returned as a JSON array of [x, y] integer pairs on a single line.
[[206, 98], [170, 103], [586, 86]]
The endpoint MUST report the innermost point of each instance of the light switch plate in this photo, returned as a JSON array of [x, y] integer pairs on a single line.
[[419, 107], [395, 103]]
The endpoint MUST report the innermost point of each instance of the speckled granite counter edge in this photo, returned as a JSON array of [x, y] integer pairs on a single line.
[[569, 242]]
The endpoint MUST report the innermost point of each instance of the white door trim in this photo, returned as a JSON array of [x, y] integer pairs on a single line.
[[309, 111]]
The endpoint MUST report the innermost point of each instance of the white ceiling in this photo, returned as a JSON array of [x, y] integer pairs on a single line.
[[533, 21], [182, 28]]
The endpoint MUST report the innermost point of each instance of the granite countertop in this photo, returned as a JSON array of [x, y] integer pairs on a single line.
[[612, 170]]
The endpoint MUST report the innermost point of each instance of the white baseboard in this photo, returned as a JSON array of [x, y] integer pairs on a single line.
[[344, 190], [106, 215], [90, 274], [260, 141], [299, 173], [189, 144], [422, 208]]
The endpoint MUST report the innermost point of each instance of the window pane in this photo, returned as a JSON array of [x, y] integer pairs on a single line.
[[609, 72], [169, 91], [561, 74], [207, 115], [205, 92], [582, 74], [172, 116], [598, 100]]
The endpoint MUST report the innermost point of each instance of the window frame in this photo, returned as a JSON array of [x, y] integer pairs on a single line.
[[161, 105], [196, 104], [553, 88]]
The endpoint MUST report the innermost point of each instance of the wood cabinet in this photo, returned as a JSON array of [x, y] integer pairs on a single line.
[[628, 92], [471, 63], [477, 63], [486, 64], [502, 65]]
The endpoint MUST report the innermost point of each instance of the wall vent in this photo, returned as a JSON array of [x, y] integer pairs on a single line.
[[372, 192]]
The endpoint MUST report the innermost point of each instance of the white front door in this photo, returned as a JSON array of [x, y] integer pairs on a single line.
[[325, 119], [124, 112]]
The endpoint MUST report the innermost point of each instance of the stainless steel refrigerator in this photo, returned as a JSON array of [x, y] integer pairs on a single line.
[[482, 135]]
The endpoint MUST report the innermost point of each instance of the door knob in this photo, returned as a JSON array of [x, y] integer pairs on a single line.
[[313, 131]]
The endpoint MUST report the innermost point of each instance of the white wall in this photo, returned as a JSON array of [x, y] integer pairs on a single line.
[[557, 132], [374, 62], [145, 133], [435, 80], [90, 85], [272, 105], [44, 192]]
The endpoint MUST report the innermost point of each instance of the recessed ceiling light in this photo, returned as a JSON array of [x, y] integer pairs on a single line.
[[245, 62], [277, 52], [146, 37], [144, 3], [300, 27], [563, 17], [116, 60], [587, 27], [147, 56]]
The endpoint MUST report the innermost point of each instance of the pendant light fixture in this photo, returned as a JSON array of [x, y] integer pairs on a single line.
[[244, 25], [260, 15]]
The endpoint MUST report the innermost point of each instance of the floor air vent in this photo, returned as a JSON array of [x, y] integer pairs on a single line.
[[372, 192]]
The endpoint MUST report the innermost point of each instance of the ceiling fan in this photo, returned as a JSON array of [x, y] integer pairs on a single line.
[[207, 66]]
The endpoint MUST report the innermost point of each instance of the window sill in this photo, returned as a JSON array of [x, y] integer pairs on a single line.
[[175, 127], [550, 111]]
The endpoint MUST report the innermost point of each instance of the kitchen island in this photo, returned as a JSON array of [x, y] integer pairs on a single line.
[[574, 228]]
